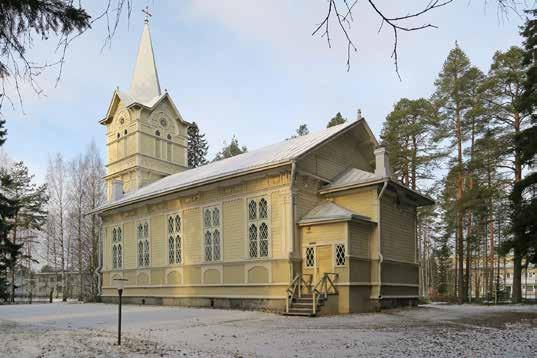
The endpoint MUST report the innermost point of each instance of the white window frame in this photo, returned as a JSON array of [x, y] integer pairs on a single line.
[[312, 247], [146, 243], [118, 247], [177, 259], [342, 243], [212, 229], [257, 222]]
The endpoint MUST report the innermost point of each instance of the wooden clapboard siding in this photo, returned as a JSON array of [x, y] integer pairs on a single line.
[[307, 196], [359, 239], [362, 201], [232, 199], [335, 157], [398, 241], [158, 240], [276, 223], [234, 229], [129, 245], [192, 232]]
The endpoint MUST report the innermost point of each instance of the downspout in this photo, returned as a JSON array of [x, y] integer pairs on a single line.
[[98, 272], [293, 219], [381, 258]]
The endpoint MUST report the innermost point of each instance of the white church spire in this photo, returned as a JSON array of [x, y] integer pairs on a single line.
[[145, 84]]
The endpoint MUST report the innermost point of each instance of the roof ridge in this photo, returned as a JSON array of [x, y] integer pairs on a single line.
[[271, 155]]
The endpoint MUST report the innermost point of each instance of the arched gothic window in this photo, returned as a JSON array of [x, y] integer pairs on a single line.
[[258, 227], [212, 238], [142, 235], [174, 239], [117, 252]]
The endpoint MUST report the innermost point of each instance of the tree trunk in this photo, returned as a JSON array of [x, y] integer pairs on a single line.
[[80, 266], [460, 210], [413, 167], [517, 273], [13, 267], [467, 273], [405, 165], [517, 277]]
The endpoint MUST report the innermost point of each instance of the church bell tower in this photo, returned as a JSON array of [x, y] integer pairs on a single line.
[[146, 137]]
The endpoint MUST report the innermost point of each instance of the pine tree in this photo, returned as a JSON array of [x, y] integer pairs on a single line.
[[230, 150], [455, 87], [408, 136], [301, 131], [443, 266], [485, 195], [475, 120], [10, 254], [6, 224], [24, 204], [197, 147], [524, 194], [338, 119]]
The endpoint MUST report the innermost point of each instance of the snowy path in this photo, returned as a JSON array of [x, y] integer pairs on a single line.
[[89, 330]]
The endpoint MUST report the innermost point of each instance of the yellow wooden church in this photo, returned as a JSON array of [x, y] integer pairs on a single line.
[[310, 225]]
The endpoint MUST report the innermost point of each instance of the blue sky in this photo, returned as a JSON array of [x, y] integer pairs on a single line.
[[248, 68]]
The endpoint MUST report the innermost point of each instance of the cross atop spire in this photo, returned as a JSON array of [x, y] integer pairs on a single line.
[[147, 14]]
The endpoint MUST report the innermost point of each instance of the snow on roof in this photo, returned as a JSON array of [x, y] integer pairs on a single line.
[[276, 154], [352, 176], [328, 211], [128, 100]]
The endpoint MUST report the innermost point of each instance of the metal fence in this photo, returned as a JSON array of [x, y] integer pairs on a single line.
[[28, 299]]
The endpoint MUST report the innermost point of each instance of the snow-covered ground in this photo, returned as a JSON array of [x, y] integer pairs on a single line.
[[89, 330]]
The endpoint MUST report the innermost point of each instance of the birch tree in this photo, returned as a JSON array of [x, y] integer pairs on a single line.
[[57, 211], [77, 199], [95, 197]]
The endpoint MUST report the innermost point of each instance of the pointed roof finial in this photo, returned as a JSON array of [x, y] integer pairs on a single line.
[[145, 84], [359, 114], [147, 14]]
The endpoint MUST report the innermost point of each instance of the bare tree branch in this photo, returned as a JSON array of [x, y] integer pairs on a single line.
[[21, 22], [396, 23]]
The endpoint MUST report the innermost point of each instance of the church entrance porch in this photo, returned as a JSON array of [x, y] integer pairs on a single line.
[[323, 261]]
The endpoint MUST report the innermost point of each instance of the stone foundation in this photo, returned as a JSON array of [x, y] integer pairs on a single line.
[[253, 304], [386, 303]]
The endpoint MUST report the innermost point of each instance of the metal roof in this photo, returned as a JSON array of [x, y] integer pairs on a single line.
[[263, 158], [328, 211], [352, 176], [355, 178]]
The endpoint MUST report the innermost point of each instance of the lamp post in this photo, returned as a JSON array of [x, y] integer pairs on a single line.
[[120, 284]]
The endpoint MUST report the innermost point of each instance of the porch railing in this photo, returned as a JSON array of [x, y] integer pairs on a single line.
[[301, 284], [326, 286]]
